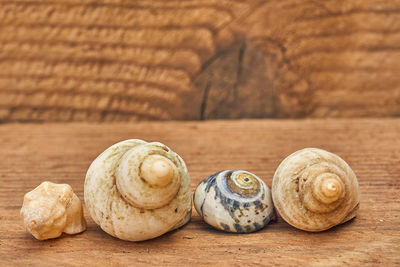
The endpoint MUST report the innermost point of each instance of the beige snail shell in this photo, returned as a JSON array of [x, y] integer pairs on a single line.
[[52, 209], [137, 190], [314, 190]]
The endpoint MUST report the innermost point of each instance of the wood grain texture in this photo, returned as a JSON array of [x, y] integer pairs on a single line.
[[62, 153], [198, 59]]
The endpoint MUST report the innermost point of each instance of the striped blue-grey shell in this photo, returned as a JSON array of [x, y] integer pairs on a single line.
[[234, 201]]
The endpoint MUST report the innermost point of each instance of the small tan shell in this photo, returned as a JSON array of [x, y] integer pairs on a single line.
[[51, 209], [314, 190], [137, 190]]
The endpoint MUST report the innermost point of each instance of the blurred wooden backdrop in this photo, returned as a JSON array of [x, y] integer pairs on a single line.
[[111, 60]]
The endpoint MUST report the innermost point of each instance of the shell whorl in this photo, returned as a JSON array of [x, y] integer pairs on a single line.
[[147, 177], [315, 190], [240, 186], [234, 201], [137, 190]]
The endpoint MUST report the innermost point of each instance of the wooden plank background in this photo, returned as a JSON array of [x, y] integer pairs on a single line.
[[32, 153], [112, 60]]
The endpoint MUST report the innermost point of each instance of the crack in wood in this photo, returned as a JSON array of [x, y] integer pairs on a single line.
[[239, 70], [204, 101]]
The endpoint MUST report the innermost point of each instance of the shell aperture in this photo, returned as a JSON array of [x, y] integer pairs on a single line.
[[234, 201], [137, 190]]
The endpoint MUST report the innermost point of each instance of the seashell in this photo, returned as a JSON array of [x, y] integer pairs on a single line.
[[51, 209], [234, 201], [314, 190], [137, 190]]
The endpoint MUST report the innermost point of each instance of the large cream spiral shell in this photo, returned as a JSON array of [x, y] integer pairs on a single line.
[[137, 190], [314, 190]]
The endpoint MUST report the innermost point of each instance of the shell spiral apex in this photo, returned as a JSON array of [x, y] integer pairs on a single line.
[[137, 190], [234, 201], [314, 190]]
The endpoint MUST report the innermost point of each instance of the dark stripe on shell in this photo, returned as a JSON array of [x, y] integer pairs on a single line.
[[268, 218], [248, 228], [225, 227], [238, 228], [209, 181], [257, 226]]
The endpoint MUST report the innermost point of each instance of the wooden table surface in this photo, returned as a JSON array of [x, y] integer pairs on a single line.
[[32, 153]]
